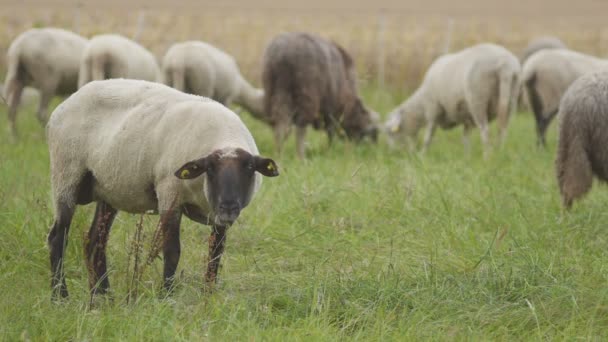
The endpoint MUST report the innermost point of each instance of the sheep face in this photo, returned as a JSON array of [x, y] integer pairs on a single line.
[[362, 123], [230, 180]]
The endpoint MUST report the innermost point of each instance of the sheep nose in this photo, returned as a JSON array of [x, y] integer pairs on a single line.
[[229, 207]]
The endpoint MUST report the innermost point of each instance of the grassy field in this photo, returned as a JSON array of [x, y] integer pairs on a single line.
[[357, 242]]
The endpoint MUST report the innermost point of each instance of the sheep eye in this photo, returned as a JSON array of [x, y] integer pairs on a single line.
[[250, 166]]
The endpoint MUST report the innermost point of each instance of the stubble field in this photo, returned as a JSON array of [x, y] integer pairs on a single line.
[[357, 242]]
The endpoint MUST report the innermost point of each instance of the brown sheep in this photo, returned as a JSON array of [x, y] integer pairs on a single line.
[[583, 136], [309, 80]]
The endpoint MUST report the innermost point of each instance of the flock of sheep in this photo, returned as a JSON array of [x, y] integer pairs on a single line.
[[138, 136]]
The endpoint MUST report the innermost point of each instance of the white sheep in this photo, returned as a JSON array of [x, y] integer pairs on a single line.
[[202, 69], [546, 76], [114, 56], [140, 146], [45, 59], [469, 87], [541, 43]]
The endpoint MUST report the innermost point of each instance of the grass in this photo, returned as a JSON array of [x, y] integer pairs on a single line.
[[357, 242]]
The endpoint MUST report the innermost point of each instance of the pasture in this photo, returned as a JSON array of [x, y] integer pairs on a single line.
[[357, 242]]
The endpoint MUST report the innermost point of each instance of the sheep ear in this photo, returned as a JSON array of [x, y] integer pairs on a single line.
[[266, 166], [192, 169]]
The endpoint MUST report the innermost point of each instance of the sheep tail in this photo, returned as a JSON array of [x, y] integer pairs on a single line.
[[507, 96], [85, 72], [177, 77], [14, 81], [573, 167]]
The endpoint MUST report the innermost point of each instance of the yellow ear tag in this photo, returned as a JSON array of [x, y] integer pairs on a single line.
[[395, 129], [270, 167], [185, 173]]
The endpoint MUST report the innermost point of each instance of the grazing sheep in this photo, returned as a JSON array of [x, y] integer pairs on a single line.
[[45, 59], [541, 43], [202, 69], [583, 136], [469, 87], [140, 146], [546, 77], [311, 81], [114, 56]]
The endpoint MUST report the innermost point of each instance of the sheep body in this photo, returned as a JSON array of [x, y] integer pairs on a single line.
[[44, 59], [114, 56], [119, 143], [469, 87], [546, 77], [541, 43], [202, 69], [312, 81], [583, 136]]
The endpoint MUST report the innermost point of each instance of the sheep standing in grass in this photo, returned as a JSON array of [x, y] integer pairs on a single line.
[[469, 87], [541, 43], [202, 69], [139, 146], [546, 77], [114, 56], [311, 81], [583, 136], [45, 59]]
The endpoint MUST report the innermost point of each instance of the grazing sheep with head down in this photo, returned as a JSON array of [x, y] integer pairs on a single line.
[[114, 56], [311, 81], [139, 146], [202, 69], [45, 59], [469, 87], [541, 43], [546, 77], [583, 136]]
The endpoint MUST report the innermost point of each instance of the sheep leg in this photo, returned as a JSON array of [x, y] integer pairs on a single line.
[[14, 97], [281, 131], [574, 171], [428, 135], [466, 139], [45, 99], [542, 123], [170, 226], [95, 247], [217, 240], [300, 140], [57, 241]]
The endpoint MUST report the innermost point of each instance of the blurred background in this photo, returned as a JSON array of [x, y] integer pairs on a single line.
[[393, 42]]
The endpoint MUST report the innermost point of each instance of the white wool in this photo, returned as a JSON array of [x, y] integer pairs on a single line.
[[203, 69], [554, 71], [468, 88], [114, 56], [133, 135]]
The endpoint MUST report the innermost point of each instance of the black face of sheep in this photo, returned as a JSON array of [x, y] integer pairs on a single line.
[[230, 179]]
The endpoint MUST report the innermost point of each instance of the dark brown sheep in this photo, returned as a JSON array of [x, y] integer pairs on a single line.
[[312, 81], [583, 136]]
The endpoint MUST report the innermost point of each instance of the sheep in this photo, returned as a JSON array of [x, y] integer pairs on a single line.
[[114, 56], [583, 136], [140, 146], [202, 69], [312, 81], [469, 87], [539, 44], [546, 77], [45, 59]]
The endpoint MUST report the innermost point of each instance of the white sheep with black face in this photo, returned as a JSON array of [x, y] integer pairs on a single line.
[[546, 76], [45, 59], [139, 146], [202, 69], [114, 56], [468, 88]]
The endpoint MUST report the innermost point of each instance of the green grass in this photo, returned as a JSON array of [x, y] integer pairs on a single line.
[[357, 242]]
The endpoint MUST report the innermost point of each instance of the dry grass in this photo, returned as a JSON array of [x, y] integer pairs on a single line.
[[393, 46]]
